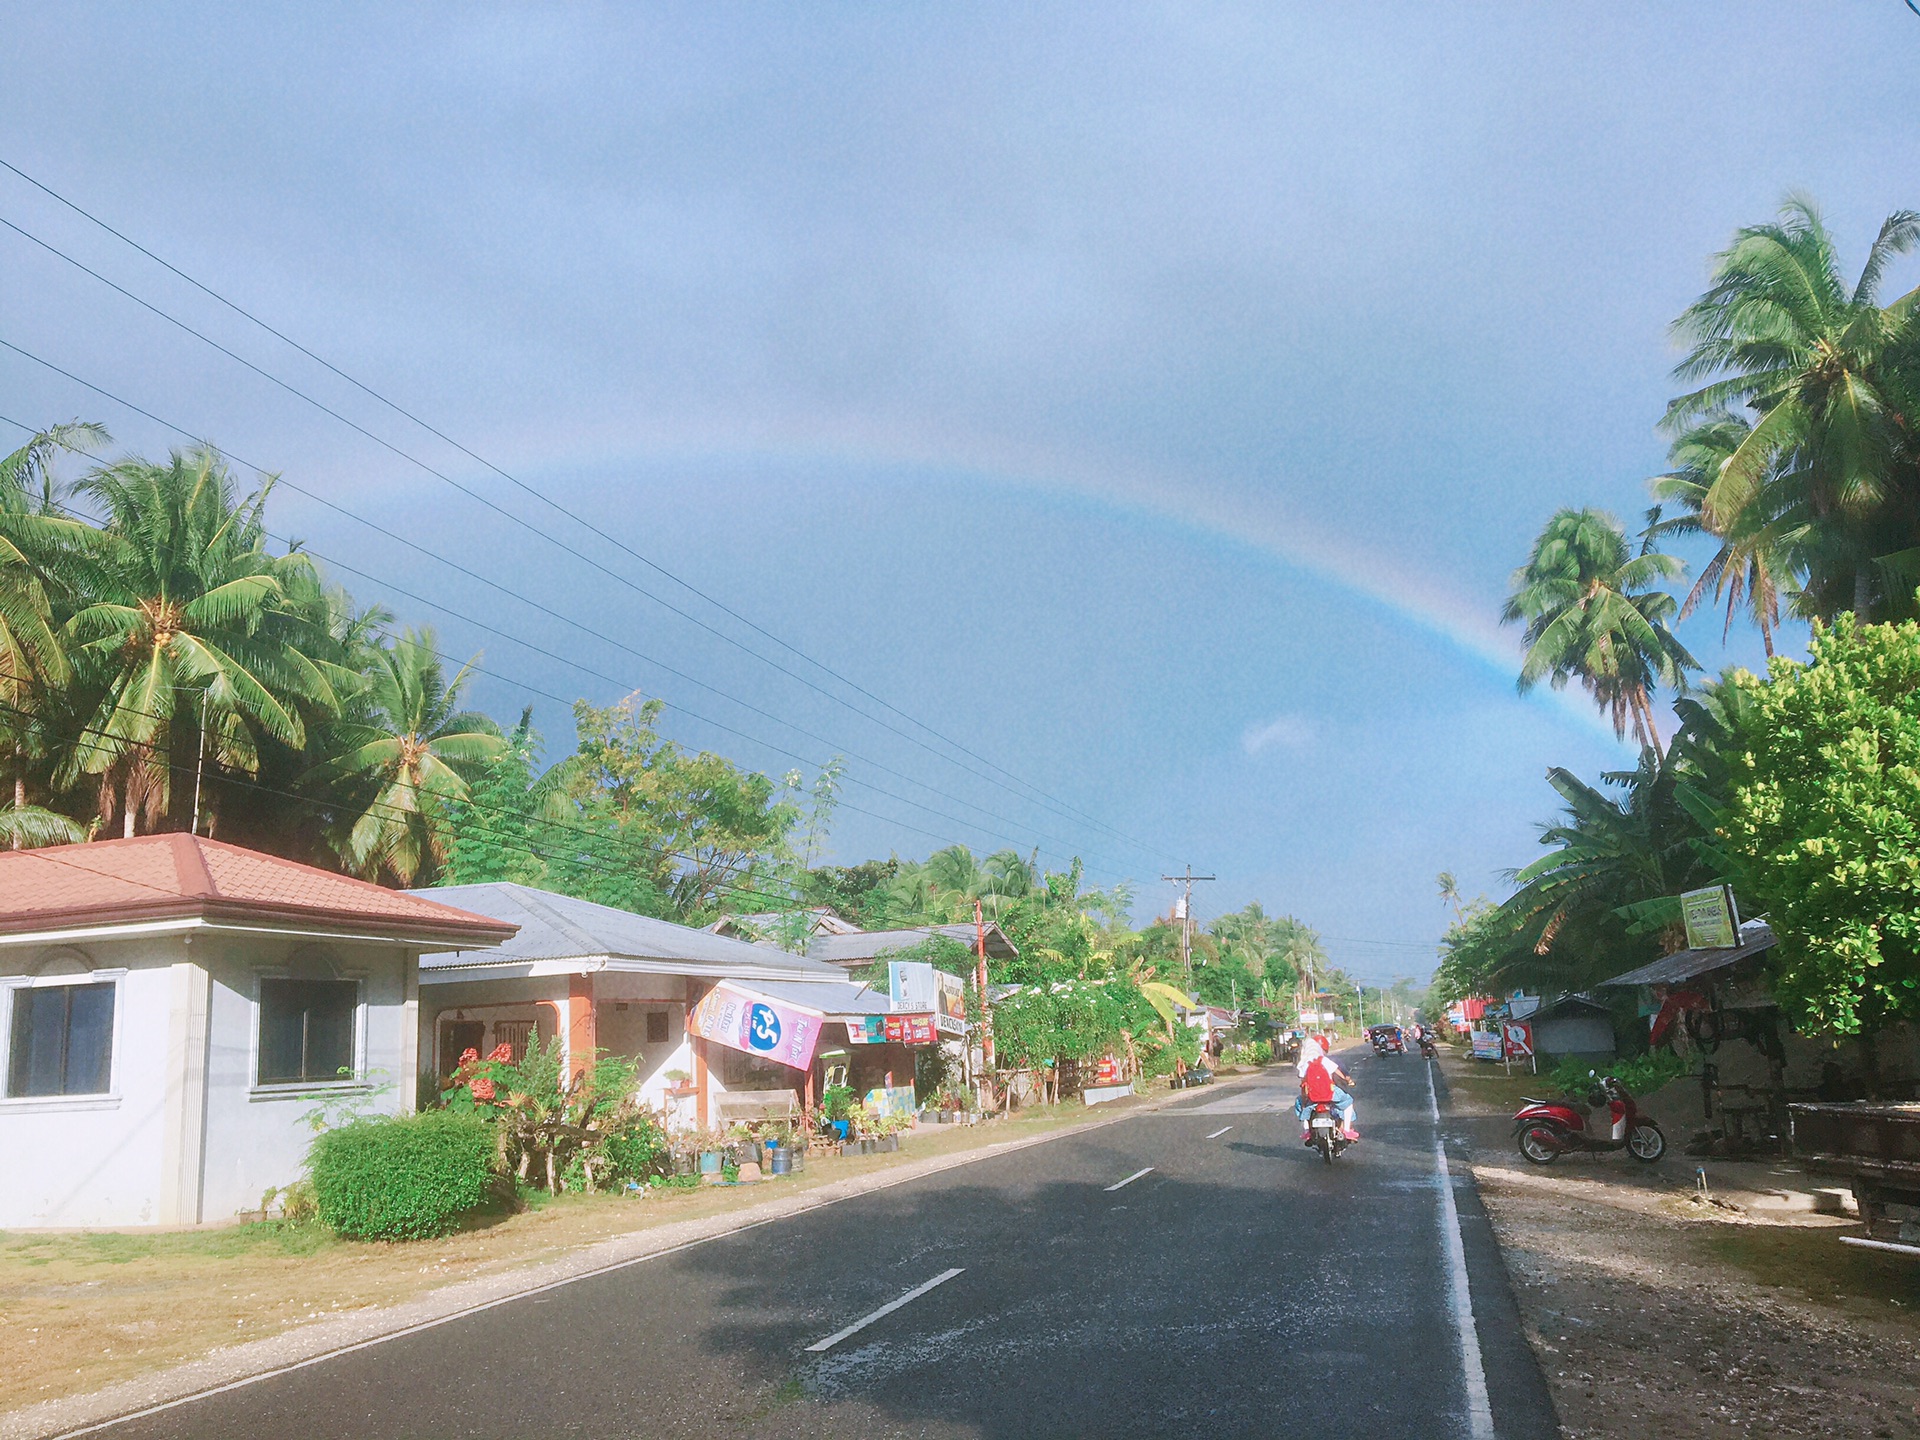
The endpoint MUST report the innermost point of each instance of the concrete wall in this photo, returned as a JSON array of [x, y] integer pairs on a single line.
[[183, 1134]]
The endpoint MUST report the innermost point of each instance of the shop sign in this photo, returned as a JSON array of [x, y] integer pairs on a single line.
[[743, 1019], [949, 1003], [1519, 1039], [866, 1029], [1712, 922], [1486, 1044]]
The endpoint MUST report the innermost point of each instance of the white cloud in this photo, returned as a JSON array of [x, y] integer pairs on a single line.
[[1283, 732]]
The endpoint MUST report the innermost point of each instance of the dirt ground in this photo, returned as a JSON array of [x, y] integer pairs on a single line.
[[1655, 1312], [81, 1310]]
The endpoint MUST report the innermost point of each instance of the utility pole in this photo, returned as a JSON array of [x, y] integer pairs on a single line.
[[1186, 918]]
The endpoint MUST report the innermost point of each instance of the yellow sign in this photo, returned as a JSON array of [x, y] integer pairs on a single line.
[[1711, 921]]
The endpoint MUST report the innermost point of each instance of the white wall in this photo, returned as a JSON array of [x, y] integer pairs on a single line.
[[184, 1134], [93, 1160]]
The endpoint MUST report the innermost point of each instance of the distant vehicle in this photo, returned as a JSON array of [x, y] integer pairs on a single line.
[[1195, 1075], [1387, 1039]]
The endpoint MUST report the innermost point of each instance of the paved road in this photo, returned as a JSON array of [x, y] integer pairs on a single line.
[[1239, 1287]]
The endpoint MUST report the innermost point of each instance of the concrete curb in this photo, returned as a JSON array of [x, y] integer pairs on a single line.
[[232, 1366]]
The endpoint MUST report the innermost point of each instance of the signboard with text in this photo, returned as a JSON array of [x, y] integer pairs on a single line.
[[743, 1019], [1486, 1044], [949, 1003], [1711, 920], [1519, 1039]]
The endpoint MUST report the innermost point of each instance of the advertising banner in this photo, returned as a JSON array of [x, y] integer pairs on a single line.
[[910, 1029], [1519, 1039], [890, 1100], [1712, 923], [1486, 1044], [910, 984], [949, 1003], [866, 1029], [742, 1019]]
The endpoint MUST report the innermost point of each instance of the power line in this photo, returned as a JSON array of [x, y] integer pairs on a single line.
[[585, 629], [1038, 795]]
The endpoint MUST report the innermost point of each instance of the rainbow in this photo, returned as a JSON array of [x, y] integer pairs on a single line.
[[1420, 602]]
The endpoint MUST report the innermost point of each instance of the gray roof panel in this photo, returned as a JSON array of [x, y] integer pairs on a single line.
[[1755, 937], [559, 927]]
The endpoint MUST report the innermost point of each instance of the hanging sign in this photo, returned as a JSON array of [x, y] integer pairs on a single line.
[[950, 1003], [866, 1029], [743, 1019], [1712, 921]]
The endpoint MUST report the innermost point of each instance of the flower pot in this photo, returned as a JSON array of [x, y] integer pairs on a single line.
[[710, 1162], [889, 1143], [841, 1127]]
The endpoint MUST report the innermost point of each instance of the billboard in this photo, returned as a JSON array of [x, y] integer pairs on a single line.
[[743, 1019], [949, 1003]]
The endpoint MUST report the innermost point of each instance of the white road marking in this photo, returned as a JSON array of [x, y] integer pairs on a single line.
[[1221, 1131], [1121, 1185], [885, 1310], [1479, 1407]]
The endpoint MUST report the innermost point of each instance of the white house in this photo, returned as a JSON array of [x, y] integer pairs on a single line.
[[173, 1008]]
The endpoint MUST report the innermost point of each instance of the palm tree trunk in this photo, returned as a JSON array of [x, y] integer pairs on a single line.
[[1644, 704], [1860, 595]]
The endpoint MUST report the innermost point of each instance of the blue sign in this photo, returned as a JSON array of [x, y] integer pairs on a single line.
[[763, 1028]]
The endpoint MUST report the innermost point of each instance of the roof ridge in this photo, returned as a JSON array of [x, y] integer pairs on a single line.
[[196, 880], [525, 894]]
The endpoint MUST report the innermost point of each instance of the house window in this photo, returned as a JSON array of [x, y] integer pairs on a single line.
[[656, 1027], [306, 1030], [62, 1042]]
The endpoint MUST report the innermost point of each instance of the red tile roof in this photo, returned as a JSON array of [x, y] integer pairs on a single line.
[[166, 877]]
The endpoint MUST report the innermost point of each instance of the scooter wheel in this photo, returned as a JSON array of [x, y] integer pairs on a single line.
[[1540, 1144], [1647, 1143]]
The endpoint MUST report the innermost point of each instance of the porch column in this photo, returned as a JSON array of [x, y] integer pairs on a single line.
[[581, 1040], [184, 1110]]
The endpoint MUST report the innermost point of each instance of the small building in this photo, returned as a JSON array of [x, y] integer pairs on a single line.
[[1574, 1027], [172, 1009], [600, 979]]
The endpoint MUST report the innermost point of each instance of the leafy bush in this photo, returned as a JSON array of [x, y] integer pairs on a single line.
[[407, 1178], [1642, 1075]]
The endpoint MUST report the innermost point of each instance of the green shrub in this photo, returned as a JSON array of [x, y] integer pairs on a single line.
[[1642, 1075], [637, 1152], [407, 1178]]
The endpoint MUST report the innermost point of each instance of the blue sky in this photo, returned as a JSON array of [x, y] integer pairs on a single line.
[[1154, 400]]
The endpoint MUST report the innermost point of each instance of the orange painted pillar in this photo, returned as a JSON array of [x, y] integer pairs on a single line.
[[581, 1041]]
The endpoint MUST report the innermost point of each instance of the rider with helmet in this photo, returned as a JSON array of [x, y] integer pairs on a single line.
[[1319, 1072]]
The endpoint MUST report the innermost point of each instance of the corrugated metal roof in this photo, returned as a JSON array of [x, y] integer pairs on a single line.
[[834, 999], [559, 927], [846, 950], [1755, 937]]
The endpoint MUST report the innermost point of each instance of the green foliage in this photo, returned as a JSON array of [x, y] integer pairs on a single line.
[[1824, 824], [836, 1102], [1642, 1075], [408, 1178]]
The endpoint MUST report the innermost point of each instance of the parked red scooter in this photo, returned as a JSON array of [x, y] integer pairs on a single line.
[[1548, 1129]]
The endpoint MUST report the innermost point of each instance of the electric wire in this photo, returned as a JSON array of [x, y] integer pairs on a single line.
[[1066, 847], [1038, 797]]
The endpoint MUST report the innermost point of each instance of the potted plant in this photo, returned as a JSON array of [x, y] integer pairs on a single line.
[[837, 1105], [679, 1084]]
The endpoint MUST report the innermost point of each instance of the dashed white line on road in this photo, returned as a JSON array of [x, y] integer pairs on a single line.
[[1122, 1184], [857, 1326], [1221, 1131]]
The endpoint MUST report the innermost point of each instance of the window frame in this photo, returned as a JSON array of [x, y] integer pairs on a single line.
[[276, 1089], [10, 987]]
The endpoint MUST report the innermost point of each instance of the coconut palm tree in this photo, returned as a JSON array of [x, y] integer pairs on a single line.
[[1829, 375], [1762, 545], [183, 629], [410, 738], [1592, 612]]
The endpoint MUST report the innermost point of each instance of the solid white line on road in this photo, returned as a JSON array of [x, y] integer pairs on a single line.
[[857, 1326], [1121, 1185], [1221, 1131], [1479, 1407]]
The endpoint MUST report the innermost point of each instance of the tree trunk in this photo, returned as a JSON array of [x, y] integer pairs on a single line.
[[19, 787], [1861, 595]]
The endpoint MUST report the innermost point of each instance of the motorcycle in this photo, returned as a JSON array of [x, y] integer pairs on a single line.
[[1323, 1131], [1547, 1129], [1428, 1049]]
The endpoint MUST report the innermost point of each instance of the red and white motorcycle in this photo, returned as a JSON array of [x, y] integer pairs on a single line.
[[1548, 1129]]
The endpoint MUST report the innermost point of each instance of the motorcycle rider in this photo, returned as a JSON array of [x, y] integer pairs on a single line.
[[1318, 1073]]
